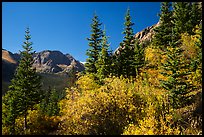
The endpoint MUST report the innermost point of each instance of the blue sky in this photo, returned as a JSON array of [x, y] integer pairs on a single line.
[[64, 26]]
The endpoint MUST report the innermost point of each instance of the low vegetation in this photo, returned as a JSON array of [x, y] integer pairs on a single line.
[[151, 90]]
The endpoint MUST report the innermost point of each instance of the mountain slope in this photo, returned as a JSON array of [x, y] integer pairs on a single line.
[[9, 64], [8, 56]]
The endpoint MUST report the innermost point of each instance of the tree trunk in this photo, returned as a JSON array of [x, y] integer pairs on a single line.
[[25, 122]]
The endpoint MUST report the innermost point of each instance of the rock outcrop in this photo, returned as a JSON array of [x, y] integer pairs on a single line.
[[146, 34], [143, 36]]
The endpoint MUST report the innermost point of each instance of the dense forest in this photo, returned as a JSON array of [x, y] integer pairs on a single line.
[[152, 88]]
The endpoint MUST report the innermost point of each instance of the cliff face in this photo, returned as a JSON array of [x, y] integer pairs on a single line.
[[146, 34], [45, 62]]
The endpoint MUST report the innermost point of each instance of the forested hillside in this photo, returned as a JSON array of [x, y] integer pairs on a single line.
[[146, 87]]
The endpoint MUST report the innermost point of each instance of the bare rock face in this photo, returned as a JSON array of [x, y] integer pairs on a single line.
[[77, 65], [146, 34], [54, 62], [70, 57], [47, 61]]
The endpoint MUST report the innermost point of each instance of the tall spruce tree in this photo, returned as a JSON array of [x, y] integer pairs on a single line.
[[139, 56], [199, 45], [126, 51], [104, 61], [25, 88], [95, 45], [182, 20], [49, 104], [162, 32], [115, 69], [196, 62], [10, 111], [176, 70], [195, 16]]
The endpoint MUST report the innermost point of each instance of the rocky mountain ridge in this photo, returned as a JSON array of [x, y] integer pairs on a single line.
[[146, 34], [55, 62], [46, 61]]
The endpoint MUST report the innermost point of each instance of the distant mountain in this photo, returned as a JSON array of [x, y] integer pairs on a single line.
[[53, 62]]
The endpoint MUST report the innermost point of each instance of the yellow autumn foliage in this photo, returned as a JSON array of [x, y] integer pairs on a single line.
[[152, 56], [191, 50], [120, 106], [158, 119], [88, 84], [106, 110], [152, 71], [188, 45], [37, 124]]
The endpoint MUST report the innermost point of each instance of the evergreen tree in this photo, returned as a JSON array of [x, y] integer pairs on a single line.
[[25, 88], [10, 111], [104, 61], [49, 104], [126, 50], [195, 16], [139, 56], [185, 17], [199, 45], [94, 44], [196, 62], [176, 70], [162, 32], [114, 69]]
